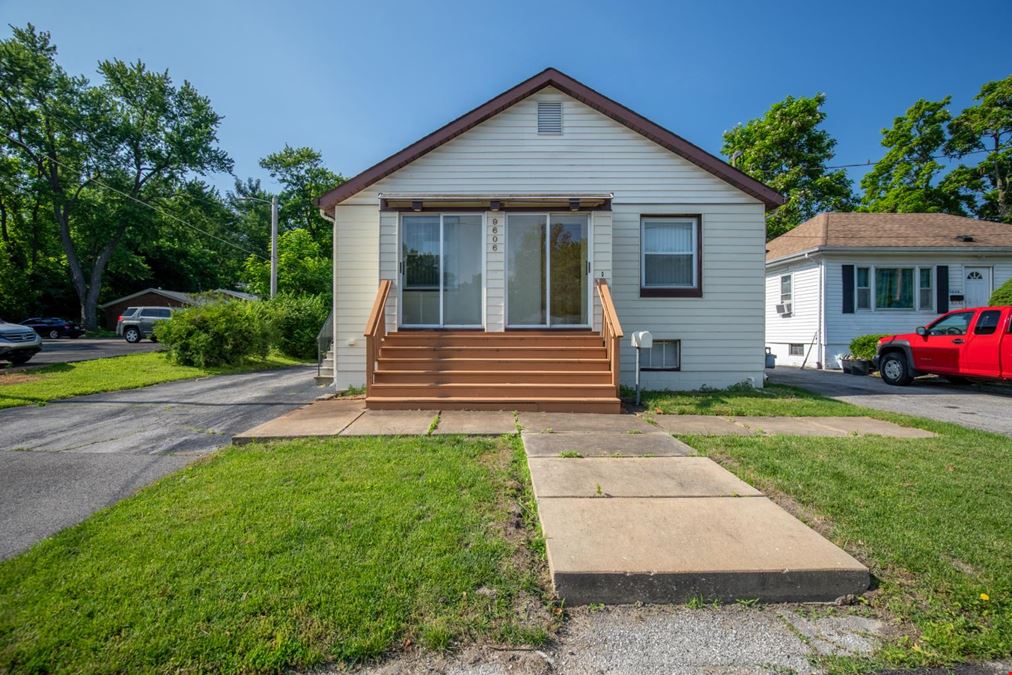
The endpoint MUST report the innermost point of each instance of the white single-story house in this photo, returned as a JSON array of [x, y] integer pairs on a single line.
[[842, 275], [504, 260]]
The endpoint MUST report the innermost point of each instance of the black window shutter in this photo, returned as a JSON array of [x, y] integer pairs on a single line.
[[942, 282], [848, 289]]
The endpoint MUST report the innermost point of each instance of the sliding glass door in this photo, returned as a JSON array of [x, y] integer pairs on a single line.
[[441, 267], [547, 277]]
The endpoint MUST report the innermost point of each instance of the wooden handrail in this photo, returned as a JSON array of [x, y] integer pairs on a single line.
[[611, 330], [375, 331]]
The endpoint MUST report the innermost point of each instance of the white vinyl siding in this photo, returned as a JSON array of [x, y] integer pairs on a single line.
[[357, 277], [721, 333], [801, 326]]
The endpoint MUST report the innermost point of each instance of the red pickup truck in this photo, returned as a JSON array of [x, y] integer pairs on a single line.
[[965, 344]]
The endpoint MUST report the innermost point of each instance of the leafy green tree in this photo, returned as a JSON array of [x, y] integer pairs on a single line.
[[136, 136], [985, 128], [301, 172], [788, 150], [303, 267], [906, 179]]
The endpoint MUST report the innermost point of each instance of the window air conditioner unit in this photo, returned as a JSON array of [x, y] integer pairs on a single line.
[[784, 309]]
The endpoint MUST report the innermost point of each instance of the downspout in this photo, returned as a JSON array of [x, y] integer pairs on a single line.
[[333, 288], [821, 365]]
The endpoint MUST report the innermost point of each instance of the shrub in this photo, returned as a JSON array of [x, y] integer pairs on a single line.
[[1002, 295], [295, 322], [864, 346], [216, 334]]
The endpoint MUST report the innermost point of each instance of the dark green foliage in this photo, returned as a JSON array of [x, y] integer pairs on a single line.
[[296, 320], [864, 346], [217, 334], [1002, 295], [788, 150]]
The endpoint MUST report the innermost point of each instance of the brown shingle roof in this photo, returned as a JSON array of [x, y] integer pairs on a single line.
[[889, 230]]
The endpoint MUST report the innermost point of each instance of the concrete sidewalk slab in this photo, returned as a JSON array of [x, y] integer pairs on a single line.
[[587, 422], [391, 423], [320, 418], [791, 426], [635, 477], [869, 426], [596, 444], [701, 425], [629, 550], [476, 422]]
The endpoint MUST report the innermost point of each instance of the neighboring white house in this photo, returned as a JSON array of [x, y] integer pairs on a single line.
[[842, 275], [504, 219]]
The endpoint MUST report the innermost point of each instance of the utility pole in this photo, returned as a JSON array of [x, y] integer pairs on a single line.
[[274, 246]]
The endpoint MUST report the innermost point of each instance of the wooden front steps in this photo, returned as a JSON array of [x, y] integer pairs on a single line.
[[468, 370]]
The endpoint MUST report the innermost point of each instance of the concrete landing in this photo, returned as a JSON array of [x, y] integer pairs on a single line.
[[321, 418]]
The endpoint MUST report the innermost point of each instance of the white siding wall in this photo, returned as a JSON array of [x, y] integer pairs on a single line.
[[803, 324], [495, 272], [357, 276], [721, 333], [842, 328]]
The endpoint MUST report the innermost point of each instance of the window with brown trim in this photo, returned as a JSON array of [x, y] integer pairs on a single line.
[[671, 256]]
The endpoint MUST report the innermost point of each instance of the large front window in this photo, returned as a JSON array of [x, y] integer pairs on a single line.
[[546, 269], [669, 256]]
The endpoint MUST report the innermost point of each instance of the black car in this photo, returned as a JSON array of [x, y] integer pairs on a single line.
[[52, 327]]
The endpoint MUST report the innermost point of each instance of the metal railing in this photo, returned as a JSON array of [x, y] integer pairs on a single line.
[[324, 341]]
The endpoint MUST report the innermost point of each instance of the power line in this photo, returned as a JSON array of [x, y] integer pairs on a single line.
[[162, 212], [870, 163]]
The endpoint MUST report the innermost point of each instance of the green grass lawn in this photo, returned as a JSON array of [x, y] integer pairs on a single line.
[[932, 518], [773, 399], [268, 557], [62, 380]]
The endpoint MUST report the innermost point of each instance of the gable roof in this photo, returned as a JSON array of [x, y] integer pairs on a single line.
[[890, 231], [179, 296], [550, 77]]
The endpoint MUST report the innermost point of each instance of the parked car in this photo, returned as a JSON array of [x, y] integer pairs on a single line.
[[53, 327], [18, 343], [140, 323], [965, 344]]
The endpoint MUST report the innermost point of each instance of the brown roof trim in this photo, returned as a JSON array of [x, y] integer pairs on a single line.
[[550, 77]]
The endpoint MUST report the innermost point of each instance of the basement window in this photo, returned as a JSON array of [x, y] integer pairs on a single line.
[[797, 350], [664, 355], [549, 117]]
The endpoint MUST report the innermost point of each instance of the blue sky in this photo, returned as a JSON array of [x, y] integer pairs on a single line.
[[360, 80]]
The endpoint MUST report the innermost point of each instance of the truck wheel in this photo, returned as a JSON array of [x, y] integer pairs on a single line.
[[895, 370], [132, 335]]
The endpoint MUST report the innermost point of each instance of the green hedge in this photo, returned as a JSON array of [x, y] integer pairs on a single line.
[[1002, 295], [229, 332], [296, 320], [216, 334], [864, 346]]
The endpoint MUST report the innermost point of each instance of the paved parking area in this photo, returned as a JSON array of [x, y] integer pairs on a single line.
[[67, 350], [986, 408], [62, 462]]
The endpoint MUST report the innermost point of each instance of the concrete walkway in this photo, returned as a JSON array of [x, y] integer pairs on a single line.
[[629, 515]]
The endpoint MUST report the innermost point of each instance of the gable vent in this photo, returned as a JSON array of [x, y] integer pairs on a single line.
[[549, 117]]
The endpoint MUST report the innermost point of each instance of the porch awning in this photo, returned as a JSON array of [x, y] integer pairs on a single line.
[[574, 201]]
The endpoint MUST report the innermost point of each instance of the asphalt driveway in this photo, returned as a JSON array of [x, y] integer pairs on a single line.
[[974, 406], [66, 350], [62, 462]]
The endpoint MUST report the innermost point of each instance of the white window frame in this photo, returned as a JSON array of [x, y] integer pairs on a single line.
[[870, 288], [677, 346], [694, 223], [932, 281], [789, 298]]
